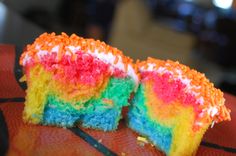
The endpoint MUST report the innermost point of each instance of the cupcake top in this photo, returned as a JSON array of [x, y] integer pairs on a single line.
[[70, 46], [191, 87]]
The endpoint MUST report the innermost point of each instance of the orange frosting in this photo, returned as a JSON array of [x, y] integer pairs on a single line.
[[212, 96], [48, 41]]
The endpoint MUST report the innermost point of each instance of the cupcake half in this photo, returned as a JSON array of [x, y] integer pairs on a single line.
[[174, 106], [73, 80]]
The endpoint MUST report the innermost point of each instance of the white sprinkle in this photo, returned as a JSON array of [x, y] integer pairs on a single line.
[[200, 100], [26, 59], [212, 124], [212, 111], [55, 49], [199, 123], [151, 66], [161, 70], [42, 53], [74, 49]]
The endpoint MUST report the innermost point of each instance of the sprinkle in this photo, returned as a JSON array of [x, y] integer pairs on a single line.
[[212, 124], [116, 60], [126, 67], [48, 41], [208, 102]]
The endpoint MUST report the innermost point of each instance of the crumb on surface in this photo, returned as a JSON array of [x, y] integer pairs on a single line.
[[141, 141]]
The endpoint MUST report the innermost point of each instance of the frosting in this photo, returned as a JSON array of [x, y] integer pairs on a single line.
[[208, 100], [70, 45]]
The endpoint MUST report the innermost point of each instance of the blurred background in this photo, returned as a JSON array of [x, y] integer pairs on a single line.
[[198, 33]]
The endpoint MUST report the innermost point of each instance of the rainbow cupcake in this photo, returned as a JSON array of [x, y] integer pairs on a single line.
[[174, 106], [73, 80]]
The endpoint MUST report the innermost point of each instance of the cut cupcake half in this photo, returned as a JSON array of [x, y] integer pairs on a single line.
[[73, 80], [174, 106]]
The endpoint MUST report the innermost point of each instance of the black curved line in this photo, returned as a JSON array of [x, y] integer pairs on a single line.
[[215, 146], [93, 142], [4, 136], [15, 99]]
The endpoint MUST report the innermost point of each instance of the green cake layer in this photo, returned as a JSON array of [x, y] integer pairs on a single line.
[[139, 121], [99, 113]]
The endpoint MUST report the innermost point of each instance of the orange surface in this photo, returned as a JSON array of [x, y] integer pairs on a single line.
[[9, 86], [32, 140]]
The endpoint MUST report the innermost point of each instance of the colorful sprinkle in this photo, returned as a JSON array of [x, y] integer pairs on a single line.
[[174, 81]]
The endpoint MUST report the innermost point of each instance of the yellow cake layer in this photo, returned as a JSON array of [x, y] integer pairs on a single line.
[[41, 83], [174, 115]]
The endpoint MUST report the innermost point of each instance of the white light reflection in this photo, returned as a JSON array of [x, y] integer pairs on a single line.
[[3, 12], [224, 4]]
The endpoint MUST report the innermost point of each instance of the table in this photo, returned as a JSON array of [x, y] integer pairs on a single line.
[[18, 138]]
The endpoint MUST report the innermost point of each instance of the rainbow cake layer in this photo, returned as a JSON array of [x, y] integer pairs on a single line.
[[73, 80], [174, 106]]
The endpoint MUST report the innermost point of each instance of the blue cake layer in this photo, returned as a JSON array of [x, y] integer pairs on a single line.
[[94, 113], [139, 121], [102, 119], [60, 113]]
